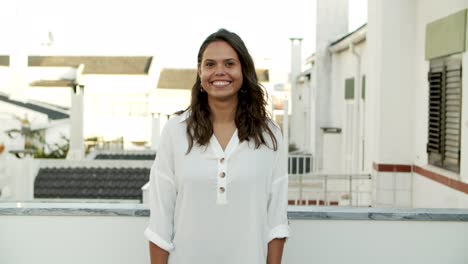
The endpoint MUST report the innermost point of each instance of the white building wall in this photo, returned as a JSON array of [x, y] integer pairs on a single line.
[[169, 101], [60, 96], [428, 11], [117, 106], [393, 189], [344, 66], [390, 79], [391, 34], [424, 189], [430, 194], [332, 23], [397, 92]]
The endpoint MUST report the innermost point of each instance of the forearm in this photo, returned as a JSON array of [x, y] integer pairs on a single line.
[[157, 254], [275, 251]]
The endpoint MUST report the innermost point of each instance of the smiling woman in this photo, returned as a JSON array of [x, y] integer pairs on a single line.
[[218, 187], [220, 72]]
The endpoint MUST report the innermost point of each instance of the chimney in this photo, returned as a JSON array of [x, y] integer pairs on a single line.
[[76, 151], [296, 62]]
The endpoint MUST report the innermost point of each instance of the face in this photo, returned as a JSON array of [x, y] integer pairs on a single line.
[[220, 72]]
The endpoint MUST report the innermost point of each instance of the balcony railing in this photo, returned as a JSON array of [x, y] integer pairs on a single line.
[[330, 189]]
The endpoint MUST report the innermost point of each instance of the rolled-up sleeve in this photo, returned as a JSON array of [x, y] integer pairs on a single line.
[[162, 194], [278, 226]]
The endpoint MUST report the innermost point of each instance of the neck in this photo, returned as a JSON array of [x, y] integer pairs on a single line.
[[223, 111]]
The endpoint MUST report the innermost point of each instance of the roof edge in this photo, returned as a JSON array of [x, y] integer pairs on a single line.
[[354, 37]]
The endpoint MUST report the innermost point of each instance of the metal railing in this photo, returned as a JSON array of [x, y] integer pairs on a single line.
[[309, 188], [330, 189]]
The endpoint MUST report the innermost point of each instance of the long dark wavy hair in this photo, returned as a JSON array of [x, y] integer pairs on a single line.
[[251, 116]]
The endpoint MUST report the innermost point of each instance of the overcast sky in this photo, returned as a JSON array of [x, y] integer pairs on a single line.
[[171, 30]]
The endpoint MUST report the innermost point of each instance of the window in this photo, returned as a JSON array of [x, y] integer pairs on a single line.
[[349, 88], [445, 82], [363, 88]]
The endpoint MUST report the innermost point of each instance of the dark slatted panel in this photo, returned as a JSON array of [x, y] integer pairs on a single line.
[[435, 108]]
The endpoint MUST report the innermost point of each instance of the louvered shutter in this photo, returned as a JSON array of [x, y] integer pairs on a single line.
[[444, 120], [452, 114]]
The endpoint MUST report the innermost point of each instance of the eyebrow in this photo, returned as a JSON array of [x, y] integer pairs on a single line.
[[230, 59]]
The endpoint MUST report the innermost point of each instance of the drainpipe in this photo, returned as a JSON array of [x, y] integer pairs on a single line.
[[357, 107]]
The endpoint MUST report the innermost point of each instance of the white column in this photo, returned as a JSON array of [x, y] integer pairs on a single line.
[[296, 113], [332, 23], [391, 82], [76, 151]]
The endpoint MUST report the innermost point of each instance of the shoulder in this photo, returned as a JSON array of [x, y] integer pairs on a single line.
[[276, 132], [275, 129], [175, 123]]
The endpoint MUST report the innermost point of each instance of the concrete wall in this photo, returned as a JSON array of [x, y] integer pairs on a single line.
[[119, 240], [5, 189], [376, 242], [19, 180]]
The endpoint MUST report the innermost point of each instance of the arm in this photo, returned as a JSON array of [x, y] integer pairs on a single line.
[[275, 251], [162, 197], [278, 206], [157, 254]]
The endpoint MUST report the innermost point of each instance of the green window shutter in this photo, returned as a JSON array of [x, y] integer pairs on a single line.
[[349, 89], [363, 90], [444, 122], [453, 86]]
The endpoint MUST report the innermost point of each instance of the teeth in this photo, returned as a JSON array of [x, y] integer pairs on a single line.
[[220, 83]]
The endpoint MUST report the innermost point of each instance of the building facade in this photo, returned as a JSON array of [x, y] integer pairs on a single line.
[[388, 102]]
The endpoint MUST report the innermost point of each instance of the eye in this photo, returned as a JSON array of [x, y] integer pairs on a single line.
[[229, 64], [209, 64]]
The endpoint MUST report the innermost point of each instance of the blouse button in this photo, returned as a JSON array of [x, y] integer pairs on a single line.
[[222, 174], [221, 189], [221, 160]]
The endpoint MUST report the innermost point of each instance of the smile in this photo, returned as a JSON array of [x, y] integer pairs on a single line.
[[221, 83]]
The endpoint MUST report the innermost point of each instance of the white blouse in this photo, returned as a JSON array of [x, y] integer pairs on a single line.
[[213, 206]]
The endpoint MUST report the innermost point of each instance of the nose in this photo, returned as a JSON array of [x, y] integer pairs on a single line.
[[220, 70]]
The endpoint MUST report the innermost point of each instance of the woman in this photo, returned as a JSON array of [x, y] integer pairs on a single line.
[[218, 187]]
